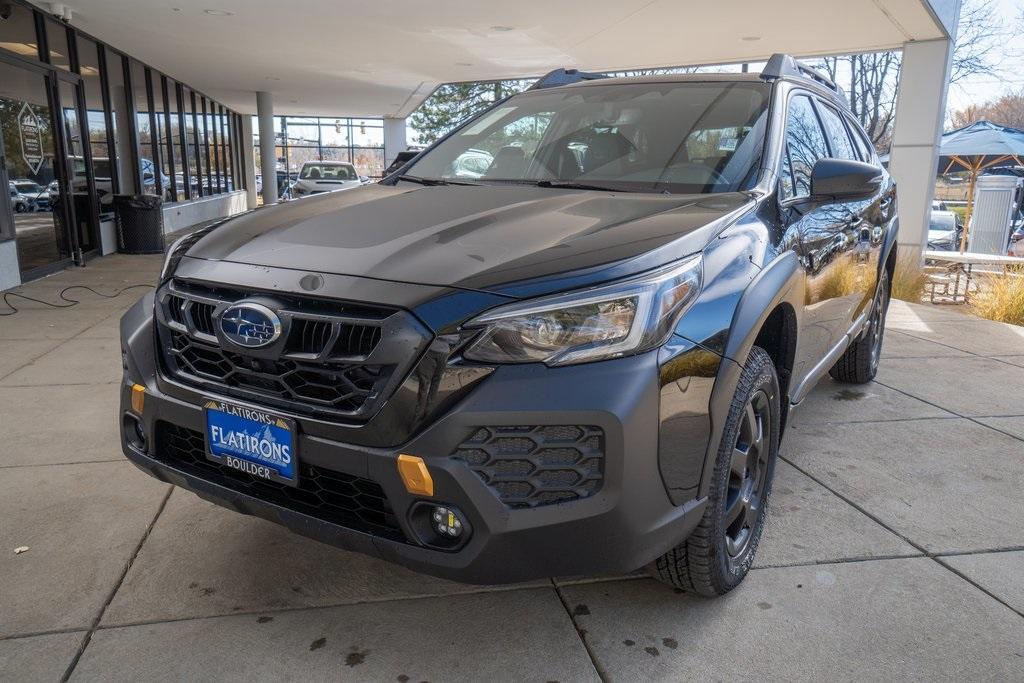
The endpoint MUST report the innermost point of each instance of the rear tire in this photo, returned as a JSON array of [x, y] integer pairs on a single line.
[[719, 553], [859, 363]]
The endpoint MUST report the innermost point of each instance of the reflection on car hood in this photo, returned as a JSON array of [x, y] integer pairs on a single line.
[[479, 237], [940, 235]]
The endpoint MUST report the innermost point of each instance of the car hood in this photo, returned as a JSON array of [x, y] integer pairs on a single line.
[[479, 237]]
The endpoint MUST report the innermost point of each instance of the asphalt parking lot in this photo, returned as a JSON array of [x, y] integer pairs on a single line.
[[894, 548]]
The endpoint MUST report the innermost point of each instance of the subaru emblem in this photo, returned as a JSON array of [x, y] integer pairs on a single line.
[[250, 325]]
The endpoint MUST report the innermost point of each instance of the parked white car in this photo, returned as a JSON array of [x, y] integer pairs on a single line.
[[325, 176]]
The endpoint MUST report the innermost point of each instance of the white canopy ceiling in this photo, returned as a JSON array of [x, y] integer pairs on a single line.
[[343, 57]]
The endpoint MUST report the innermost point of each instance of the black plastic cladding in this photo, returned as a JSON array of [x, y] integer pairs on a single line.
[[336, 497], [529, 466]]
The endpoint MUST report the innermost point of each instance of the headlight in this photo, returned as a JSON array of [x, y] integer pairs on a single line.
[[594, 324]]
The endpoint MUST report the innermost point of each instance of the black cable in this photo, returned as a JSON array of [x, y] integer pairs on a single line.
[[69, 301]]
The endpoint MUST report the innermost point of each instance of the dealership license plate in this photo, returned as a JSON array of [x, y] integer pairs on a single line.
[[251, 441]]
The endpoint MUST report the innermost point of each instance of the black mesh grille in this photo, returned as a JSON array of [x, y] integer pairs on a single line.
[[336, 497], [334, 363], [530, 466], [333, 386]]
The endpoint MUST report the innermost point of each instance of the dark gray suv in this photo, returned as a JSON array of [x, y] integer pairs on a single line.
[[580, 361]]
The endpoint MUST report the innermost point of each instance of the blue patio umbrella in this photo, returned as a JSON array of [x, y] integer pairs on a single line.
[[975, 148]]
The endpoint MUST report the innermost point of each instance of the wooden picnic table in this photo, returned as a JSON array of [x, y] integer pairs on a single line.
[[964, 262]]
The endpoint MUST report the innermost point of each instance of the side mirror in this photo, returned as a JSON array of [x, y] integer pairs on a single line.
[[842, 179]]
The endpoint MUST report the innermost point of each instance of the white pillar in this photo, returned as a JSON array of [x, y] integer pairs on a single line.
[[268, 157], [920, 113], [126, 174], [394, 139], [248, 162]]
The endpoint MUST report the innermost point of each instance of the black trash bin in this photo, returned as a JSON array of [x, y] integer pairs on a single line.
[[140, 223]]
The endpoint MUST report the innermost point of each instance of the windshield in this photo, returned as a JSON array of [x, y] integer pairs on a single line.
[[942, 221], [28, 188], [328, 172], [693, 137]]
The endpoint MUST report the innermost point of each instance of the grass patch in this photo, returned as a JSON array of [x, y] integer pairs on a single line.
[[909, 280], [1000, 297]]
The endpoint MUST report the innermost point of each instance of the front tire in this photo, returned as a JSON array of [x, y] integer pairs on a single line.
[[859, 363], [719, 553]]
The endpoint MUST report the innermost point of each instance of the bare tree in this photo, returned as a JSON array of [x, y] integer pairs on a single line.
[[1006, 110], [870, 79]]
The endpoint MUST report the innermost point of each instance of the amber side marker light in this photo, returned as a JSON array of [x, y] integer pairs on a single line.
[[414, 475], [138, 398]]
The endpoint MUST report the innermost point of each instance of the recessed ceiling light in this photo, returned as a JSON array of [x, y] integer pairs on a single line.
[[502, 29], [463, 63], [218, 12], [750, 39], [273, 78]]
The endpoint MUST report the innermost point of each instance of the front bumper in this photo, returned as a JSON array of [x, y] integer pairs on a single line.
[[627, 522]]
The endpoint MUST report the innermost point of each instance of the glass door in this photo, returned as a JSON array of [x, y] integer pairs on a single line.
[[29, 152]]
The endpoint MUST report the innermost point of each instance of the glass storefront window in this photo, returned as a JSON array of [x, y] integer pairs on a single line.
[[57, 42], [143, 128], [18, 32], [307, 138], [96, 122]]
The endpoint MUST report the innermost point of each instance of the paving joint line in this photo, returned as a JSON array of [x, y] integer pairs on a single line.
[[502, 588], [581, 633], [957, 572], [117, 586], [954, 348], [61, 464], [973, 419], [926, 553]]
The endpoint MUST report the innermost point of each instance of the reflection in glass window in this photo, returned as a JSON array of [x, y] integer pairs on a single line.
[[805, 144], [96, 121], [18, 32], [57, 41], [308, 138], [147, 137], [839, 139]]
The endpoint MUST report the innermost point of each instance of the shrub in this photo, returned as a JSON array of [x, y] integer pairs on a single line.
[[1000, 297], [909, 279]]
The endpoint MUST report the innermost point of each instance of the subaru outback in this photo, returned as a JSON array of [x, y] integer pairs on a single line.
[[580, 360]]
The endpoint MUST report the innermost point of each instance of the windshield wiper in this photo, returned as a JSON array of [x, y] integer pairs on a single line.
[[431, 182], [572, 185]]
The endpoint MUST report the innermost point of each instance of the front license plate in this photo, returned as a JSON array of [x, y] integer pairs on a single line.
[[251, 441]]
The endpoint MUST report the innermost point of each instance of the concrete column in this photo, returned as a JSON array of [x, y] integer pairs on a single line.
[[129, 179], [268, 157], [248, 162], [920, 113], [394, 139]]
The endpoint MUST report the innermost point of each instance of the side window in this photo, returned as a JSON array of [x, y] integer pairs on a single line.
[[805, 144], [866, 149], [838, 136]]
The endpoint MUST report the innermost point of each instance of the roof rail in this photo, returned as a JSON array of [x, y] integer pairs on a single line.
[[780, 65], [558, 77]]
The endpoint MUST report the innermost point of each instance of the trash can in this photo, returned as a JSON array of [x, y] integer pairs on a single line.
[[140, 223]]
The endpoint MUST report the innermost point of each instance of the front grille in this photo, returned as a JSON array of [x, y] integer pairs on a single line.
[[531, 466], [335, 360], [332, 386], [336, 497]]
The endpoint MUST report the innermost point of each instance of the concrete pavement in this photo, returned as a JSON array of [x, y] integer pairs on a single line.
[[894, 547]]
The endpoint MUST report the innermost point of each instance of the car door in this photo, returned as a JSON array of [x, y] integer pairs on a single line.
[[823, 233], [865, 224]]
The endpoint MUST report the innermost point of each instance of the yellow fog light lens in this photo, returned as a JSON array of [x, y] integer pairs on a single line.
[[414, 475], [138, 398]]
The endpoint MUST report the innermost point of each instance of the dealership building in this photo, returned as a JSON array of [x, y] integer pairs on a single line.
[[193, 103]]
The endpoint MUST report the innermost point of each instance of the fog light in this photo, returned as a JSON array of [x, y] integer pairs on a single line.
[[440, 525], [447, 522]]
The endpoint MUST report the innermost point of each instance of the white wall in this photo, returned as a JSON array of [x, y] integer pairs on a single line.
[[181, 215], [10, 274]]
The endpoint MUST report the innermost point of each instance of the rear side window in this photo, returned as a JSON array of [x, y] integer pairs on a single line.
[[805, 144], [838, 136], [865, 148]]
